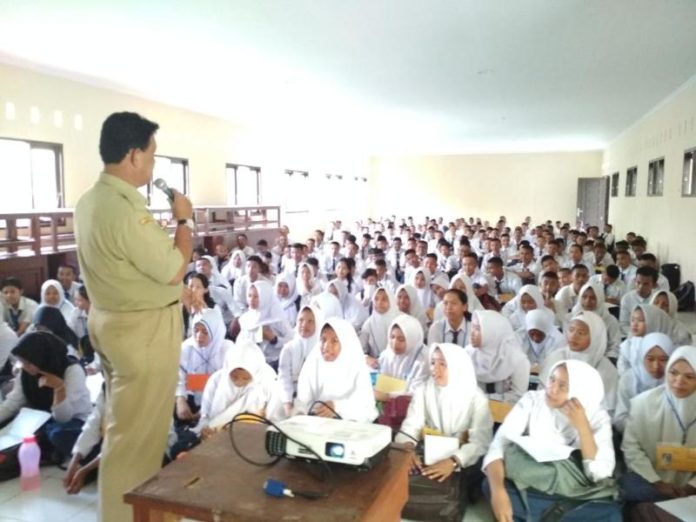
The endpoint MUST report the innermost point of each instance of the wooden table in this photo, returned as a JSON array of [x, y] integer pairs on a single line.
[[212, 483]]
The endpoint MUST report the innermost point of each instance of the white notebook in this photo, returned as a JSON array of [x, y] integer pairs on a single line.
[[24, 424]]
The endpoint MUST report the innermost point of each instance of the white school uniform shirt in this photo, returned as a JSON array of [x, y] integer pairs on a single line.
[[328, 265], [441, 331], [374, 333], [510, 283], [71, 292], [656, 320], [8, 340], [638, 380], [391, 259], [658, 416], [413, 365], [662, 283], [345, 381], [532, 416], [239, 292], [65, 306], [78, 322], [91, 433], [615, 290], [627, 276], [293, 356], [478, 277], [541, 319], [565, 299], [610, 322], [457, 408], [499, 361], [628, 302]]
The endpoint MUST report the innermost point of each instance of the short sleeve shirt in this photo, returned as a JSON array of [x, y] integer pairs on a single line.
[[126, 258]]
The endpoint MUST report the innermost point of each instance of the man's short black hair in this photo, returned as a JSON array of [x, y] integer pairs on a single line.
[[123, 131], [11, 281], [648, 271]]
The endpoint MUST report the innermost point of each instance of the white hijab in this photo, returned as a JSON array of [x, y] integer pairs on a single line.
[[416, 310], [378, 325], [300, 284], [448, 407], [213, 354], [400, 366], [494, 360], [65, 306], [685, 408], [289, 279], [328, 304], [673, 302], [601, 308], [594, 353], [232, 272], [542, 319], [642, 379], [268, 312], [425, 294], [514, 311], [656, 319], [304, 345]]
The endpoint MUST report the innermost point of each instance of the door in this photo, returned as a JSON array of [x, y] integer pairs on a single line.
[[592, 202]]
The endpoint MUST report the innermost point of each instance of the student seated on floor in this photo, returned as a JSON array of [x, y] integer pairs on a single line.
[[567, 412], [374, 334], [18, 310], [663, 416]]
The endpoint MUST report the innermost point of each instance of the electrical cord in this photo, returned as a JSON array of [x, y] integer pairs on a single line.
[[326, 405], [311, 495]]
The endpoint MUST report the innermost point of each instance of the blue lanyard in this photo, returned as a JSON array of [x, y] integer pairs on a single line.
[[685, 429]]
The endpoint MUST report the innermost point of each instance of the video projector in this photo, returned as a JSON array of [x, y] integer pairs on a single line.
[[345, 442]]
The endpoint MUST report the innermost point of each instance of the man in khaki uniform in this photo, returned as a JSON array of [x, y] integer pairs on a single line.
[[133, 273]]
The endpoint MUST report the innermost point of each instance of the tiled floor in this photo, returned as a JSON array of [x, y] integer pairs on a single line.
[[52, 504]]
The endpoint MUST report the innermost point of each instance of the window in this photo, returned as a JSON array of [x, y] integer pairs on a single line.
[[615, 184], [335, 192], [656, 174], [689, 176], [297, 194], [631, 181], [174, 171], [243, 185], [36, 173]]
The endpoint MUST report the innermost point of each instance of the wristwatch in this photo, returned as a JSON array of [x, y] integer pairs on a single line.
[[455, 462], [188, 222]]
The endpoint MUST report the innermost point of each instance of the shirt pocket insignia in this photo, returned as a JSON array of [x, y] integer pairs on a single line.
[[146, 220]]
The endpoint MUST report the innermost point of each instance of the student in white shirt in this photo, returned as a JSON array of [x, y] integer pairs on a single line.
[[528, 298], [67, 275], [627, 270], [288, 298], [408, 303], [86, 453], [421, 282], [52, 295], [540, 337], [18, 311], [502, 370], [455, 326], [241, 285], [663, 415], [650, 260], [352, 310], [503, 281], [645, 319], [334, 379], [667, 302], [330, 262], [234, 268], [527, 269], [645, 282], [591, 299], [647, 373], [614, 288], [374, 333], [567, 296], [405, 357], [567, 411], [78, 318]]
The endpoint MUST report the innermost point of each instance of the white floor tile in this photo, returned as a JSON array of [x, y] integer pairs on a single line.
[[49, 504], [9, 489], [86, 515]]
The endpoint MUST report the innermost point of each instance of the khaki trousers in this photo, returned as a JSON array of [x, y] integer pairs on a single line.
[[140, 354]]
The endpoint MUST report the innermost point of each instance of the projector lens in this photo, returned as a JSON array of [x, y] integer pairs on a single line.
[[335, 450]]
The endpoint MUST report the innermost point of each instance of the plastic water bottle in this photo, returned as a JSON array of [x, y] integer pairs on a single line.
[[29, 457]]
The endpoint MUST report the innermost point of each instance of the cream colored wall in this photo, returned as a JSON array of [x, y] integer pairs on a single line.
[[667, 222], [207, 142], [541, 185]]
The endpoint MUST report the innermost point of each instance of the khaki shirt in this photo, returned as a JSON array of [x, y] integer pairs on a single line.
[[126, 258]]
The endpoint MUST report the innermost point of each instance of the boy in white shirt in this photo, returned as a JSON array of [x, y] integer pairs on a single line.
[[614, 289], [18, 311]]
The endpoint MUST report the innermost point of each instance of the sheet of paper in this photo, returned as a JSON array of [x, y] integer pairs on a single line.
[[438, 448], [682, 508], [24, 424], [94, 385], [387, 384], [541, 450]]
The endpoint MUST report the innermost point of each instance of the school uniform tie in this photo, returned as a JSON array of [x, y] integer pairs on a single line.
[[333, 264], [14, 319], [455, 336], [67, 295], [297, 267], [623, 277], [498, 287]]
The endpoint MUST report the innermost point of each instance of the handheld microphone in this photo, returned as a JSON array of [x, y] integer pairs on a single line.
[[162, 185]]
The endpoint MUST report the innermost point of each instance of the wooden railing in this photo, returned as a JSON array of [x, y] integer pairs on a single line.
[[39, 233]]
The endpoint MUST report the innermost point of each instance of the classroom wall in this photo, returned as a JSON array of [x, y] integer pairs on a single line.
[[541, 185], [207, 142], [667, 222]]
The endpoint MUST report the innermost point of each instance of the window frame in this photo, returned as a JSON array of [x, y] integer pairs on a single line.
[[235, 167], [288, 208], [656, 177], [631, 182], [615, 179], [172, 159], [689, 173]]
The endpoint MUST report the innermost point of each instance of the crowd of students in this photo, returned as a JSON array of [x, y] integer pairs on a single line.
[[576, 330]]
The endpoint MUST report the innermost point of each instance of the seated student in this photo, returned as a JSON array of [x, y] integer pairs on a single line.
[[241, 285], [52, 295], [384, 277], [667, 302], [663, 415], [369, 287], [86, 454], [202, 354], [565, 277], [334, 379], [600, 258], [586, 338], [644, 286], [420, 280], [567, 296], [461, 282], [67, 275], [294, 354], [263, 323], [647, 373], [527, 268], [650, 260], [528, 298], [222, 255], [243, 385], [344, 273], [566, 412], [50, 381], [591, 299], [78, 319], [234, 268], [328, 304], [455, 326], [627, 270], [219, 289], [439, 285], [287, 296], [614, 288], [540, 337], [502, 370], [405, 357], [49, 319], [307, 285], [201, 300], [8, 340], [645, 319], [450, 404], [352, 310], [374, 334], [207, 265], [408, 303]]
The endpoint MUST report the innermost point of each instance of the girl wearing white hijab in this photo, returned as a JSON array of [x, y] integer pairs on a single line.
[[405, 356], [328, 304], [420, 280], [335, 373], [645, 319], [647, 372], [528, 298], [666, 414], [439, 285], [242, 385], [52, 294], [295, 352], [202, 354], [408, 302], [264, 323], [502, 370], [541, 337], [307, 285], [463, 283], [353, 311], [586, 338], [667, 302], [286, 294], [591, 299], [374, 334], [450, 403], [234, 268], [566, 412]]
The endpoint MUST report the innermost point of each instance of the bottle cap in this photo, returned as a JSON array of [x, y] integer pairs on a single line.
[[30, 438]]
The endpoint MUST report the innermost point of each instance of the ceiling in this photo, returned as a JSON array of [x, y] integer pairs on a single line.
[[386, 76]]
